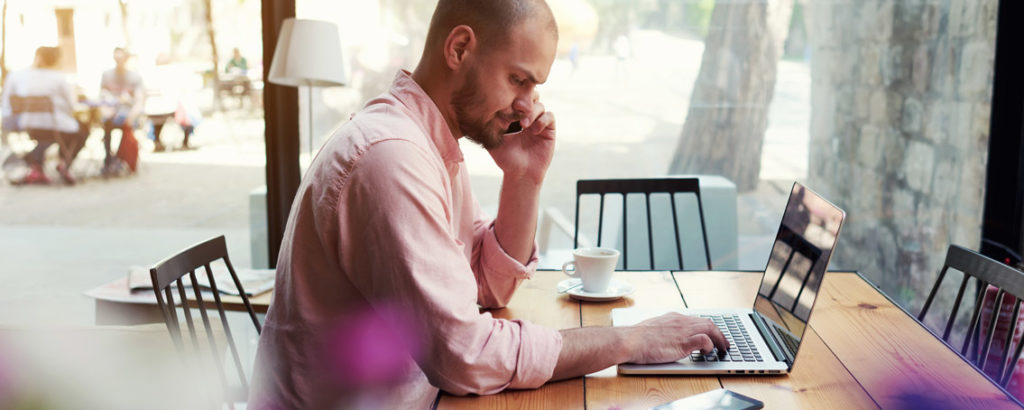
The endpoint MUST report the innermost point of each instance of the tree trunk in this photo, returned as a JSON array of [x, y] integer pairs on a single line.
[[3, 45], [216, 58], [123, 5], [728, 114]]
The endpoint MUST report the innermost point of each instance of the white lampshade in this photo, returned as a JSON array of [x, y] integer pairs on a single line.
[[308, 53]]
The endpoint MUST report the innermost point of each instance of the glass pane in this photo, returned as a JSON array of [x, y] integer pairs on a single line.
[[197, 122], [881, 106]]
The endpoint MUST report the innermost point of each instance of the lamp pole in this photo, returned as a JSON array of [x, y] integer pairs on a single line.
[[309, 109]]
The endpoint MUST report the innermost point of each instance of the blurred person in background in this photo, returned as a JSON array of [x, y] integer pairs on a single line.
[[237, 64], [236, 81], [46, 128], [166, 100], [122, 97]]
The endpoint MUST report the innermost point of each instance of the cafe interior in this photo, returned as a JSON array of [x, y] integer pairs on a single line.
[[846, 177]]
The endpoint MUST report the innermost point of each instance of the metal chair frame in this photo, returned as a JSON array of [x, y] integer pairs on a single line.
[[624, 187], [986, 272], [170, 272]]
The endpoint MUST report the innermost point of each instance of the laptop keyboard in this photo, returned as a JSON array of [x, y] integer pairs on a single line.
[[790, 341], [741, 346]]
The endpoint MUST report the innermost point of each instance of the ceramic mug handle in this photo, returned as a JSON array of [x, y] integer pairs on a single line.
[[565, 269]]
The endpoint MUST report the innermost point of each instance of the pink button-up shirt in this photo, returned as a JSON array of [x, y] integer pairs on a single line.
[[385, 263]]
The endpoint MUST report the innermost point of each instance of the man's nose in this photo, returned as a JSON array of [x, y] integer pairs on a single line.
[[523, 105]]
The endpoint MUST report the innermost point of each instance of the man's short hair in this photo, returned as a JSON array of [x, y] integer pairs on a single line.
[[48, 56], [491, 20]]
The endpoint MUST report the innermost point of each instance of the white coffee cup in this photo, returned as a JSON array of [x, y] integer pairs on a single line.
[[593, 266]]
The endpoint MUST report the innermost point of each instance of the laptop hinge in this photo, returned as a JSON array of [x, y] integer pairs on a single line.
[[769, 339]]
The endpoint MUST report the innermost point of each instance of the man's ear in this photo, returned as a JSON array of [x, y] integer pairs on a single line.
[[460, 42]]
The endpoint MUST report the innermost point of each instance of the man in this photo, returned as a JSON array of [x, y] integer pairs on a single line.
[[237, 64], [386, 254], [43, 79], [122, 94]]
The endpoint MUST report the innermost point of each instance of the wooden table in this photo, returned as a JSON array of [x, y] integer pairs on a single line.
[[116, 304], [861, 351]]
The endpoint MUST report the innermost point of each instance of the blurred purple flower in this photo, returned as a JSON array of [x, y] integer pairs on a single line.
[[372, 348]]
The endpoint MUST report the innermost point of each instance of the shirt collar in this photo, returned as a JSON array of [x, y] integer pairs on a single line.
[[429, 117]]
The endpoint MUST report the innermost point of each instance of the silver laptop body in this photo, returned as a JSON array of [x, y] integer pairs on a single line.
[[765, 338]]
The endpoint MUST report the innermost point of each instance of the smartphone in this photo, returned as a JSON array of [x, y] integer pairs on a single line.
[[514, 128], [721, 399]]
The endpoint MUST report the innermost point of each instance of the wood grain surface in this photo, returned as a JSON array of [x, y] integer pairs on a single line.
[[900, 363], [539, 302], [860, 351]]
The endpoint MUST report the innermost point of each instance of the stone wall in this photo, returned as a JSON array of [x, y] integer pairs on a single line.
[[901, 95]]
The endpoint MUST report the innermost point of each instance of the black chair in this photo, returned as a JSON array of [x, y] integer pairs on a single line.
[[985, 271], [624, 188], [169, 274]]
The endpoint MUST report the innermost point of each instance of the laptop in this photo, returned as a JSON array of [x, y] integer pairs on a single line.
[[765, 338]]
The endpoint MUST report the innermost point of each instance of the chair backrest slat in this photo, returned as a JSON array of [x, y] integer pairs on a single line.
[[625, 187], [1009, 338], [238, 285], [974, 329], [227, 330], [188, 312], [931, 295], [1009, 285], [675, 222], [169, 274], [991, 329], [1013, 360], [703, 230], [31, 103], [956, 307], [650, 234]]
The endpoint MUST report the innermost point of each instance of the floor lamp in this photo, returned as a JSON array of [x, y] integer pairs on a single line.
[[308, 54]]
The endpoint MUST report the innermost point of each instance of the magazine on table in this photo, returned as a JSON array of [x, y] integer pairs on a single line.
[[254, 281]]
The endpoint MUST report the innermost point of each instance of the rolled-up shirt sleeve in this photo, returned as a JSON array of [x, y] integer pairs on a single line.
[[497, 274], [399, 212]]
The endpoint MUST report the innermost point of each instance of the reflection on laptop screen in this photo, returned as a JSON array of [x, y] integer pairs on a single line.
[[796, 267]]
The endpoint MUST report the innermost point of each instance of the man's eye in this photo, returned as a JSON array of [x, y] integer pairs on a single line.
[[518, 81]]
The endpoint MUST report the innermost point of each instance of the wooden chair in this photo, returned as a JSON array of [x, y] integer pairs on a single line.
[[22, 104], [167, 277], [670, 187], [986, 272]]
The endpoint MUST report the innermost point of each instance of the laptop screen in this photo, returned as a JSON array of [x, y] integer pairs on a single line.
[[796, 267]]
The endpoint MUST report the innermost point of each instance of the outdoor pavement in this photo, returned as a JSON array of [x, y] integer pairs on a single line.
[[57, 242]]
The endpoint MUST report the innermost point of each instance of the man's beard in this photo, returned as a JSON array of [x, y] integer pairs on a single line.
[[464, 100]]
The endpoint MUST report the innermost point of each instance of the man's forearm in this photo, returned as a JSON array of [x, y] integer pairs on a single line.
[[589, 349], [516, 223]]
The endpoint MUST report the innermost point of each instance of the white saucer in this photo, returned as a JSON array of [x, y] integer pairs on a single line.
[[616, 289]]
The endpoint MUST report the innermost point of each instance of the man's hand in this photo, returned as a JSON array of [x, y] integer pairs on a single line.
[[527, 154], [663, 339], [673, 336]]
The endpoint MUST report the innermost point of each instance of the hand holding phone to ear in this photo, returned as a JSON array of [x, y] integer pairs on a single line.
[[528, 146]]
